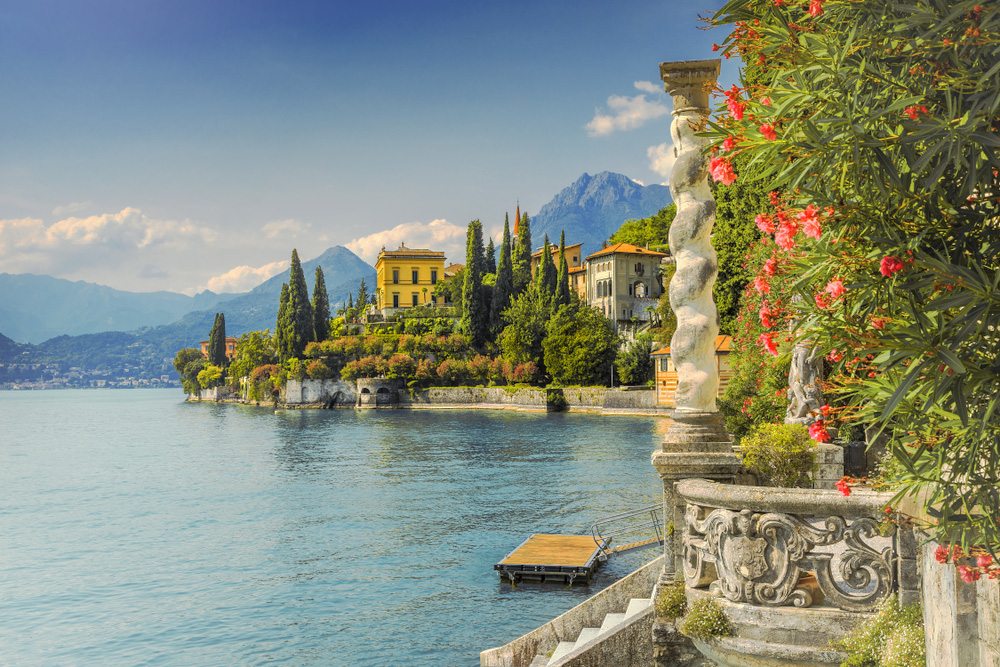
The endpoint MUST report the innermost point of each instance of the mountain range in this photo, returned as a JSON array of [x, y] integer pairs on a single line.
[[594, 207]]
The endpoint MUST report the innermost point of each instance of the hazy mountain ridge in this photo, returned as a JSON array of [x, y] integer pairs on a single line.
[[594, 207], [34, 308]]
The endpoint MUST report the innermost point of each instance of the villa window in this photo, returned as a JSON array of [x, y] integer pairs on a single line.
[[416, 276], [414, 298], [434, 277], [395, 301], [395, 276]]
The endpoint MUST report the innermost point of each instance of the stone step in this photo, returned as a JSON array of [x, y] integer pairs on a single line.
[[637, 605], [586, 634], [610, 621], [539, 661], [562, 649]]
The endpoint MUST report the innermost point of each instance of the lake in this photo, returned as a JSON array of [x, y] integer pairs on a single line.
[[138, 529]]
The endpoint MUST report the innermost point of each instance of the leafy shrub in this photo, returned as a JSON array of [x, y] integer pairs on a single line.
[[672, 602], [893, 637], [526, 373], [634, 364], [705, 619], [366, 367], [318, 370], [479, 368], [780, 455], [500, 370], [210, 376], [400, 366], [373, 345], [261, 383], [407, 344], [453, 371], [426, 371]]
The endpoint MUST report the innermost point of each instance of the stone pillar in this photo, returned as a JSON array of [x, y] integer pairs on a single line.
[[696, 443]]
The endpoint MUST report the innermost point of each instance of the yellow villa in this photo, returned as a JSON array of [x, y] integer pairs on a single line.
[[406, 278]]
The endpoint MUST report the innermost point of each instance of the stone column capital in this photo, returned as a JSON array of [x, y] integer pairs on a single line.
[[690, 82]]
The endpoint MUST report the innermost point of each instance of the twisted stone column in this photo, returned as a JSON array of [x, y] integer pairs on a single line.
[[696, 444]]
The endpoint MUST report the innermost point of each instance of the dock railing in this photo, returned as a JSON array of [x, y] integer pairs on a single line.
[[640, 528]]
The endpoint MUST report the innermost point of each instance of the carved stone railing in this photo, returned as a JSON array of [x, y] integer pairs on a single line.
[[796, 547]]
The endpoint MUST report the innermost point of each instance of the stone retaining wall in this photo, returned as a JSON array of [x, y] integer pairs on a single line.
[[524, 398]]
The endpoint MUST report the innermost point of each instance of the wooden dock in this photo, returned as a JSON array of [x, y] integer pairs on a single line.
[[545, 557]]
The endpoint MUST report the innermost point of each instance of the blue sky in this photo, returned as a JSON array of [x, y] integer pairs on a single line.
[[181, 145]]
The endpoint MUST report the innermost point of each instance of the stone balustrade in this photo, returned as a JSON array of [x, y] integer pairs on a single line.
[[794, 547]]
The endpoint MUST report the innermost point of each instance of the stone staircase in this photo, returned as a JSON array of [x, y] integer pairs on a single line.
[[612, 627], [591, 636]]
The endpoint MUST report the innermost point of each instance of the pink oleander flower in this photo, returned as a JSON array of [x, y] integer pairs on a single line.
[[984, 561], [767, 130], [818, 432], [890, 265], [942, 554], [835, 355], [729, 143], [810, 222], [761, 284], [844, 487], [771, 266], [835, 288], [822, 300], [879, 323], [765, 224], [915, 111], [766, 315], [736, 108], [766, 341], [816, 8], [722, 170], [968, 574], [766, 101]]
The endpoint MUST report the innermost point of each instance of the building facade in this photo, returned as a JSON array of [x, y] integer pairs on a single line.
[[666, 374], [231, 342], [406, 278], [623, 282]]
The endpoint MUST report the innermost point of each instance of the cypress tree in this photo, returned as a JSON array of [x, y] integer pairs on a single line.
[[321, 308], [217, 341], [362, 298], [281, 327], [504, 290], [545, 279], [475, 320], [522, 256], [300, 310], [491, 258], [562, 278]]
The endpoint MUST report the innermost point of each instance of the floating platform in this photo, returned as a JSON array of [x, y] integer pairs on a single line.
[[553, 557]]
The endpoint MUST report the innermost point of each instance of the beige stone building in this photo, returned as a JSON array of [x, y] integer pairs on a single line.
[[623, 281]]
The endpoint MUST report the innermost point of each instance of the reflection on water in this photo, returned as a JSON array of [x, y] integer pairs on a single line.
[[142, 530]]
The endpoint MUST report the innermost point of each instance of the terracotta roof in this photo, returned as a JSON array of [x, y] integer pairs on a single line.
[[577, 269], [627, 248], [555, 248], [722, 344], [452, 269]]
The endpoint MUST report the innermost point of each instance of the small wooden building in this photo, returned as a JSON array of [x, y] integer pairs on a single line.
[[666, 374]]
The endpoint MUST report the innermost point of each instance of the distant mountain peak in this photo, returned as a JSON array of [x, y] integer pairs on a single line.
[[593, 207]]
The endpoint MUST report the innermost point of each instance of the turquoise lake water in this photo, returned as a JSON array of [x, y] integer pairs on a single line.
[[138, 529]]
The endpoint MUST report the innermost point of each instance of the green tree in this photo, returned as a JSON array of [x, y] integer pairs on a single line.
[[256, 348], [526, 318], [283, 325], [652, 232], [300, 315], [217, 341], [491, 258], [210, 376], [634, 363], [188, 363], [363, 299], [580, 346], [320, 308], [562, 277], [545, 277], [476, 316], [522, 256], [503, 291]]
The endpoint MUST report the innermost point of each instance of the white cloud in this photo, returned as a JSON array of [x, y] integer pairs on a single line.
[[242, 278], [282, 227], [649, 87], [435, 235], [74, 207], [636, 180], [627, 113], [661, 159]]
